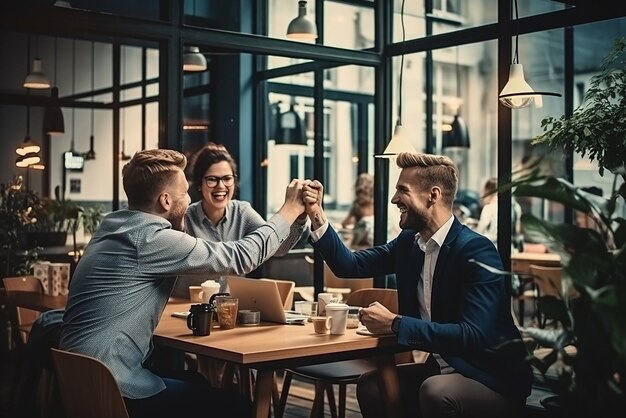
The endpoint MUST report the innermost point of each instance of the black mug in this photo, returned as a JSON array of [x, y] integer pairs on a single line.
[[200, 319]]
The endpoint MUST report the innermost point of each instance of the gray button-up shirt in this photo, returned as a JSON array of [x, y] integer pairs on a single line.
[[124, 279], [239, 220]]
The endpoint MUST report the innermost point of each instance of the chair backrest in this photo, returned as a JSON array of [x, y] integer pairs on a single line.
[[548, 280], [363, 297], [23, 284], [87, 387]]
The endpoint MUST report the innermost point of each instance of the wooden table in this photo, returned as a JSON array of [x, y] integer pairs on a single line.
[[269, 347], [36, 301], [520, 262]]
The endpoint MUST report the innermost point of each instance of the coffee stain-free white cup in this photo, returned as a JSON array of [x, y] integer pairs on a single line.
[[338, 314], [209, 288]]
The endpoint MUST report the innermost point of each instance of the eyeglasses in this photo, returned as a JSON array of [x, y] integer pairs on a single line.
[[212, 181]]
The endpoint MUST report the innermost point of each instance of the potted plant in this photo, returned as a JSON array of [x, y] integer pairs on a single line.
[[596, 128], [16, 215], [591, 381], [55, 218]]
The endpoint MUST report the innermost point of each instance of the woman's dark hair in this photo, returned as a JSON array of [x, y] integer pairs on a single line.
[[208, 155]]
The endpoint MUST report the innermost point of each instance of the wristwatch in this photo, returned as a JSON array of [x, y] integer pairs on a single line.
[[395, 325]]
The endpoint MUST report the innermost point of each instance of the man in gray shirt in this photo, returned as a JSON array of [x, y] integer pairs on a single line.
[[124, 279]]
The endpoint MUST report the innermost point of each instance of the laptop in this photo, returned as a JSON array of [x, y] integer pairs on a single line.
[[263, 295]]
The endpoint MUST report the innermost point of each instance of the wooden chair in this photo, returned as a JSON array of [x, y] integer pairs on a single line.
[[548, 281], [25, 317], [88, 389], [342, 373]]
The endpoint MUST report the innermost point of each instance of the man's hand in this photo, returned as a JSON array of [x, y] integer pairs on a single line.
[[377, 318], [313, 195], [294, 200]]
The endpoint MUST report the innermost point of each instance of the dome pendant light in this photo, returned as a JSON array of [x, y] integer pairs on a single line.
[[290, 128], [193, 60], [36, 79], [91, 154], [399, 142], [517, 93], [53, 122], [301, 28]]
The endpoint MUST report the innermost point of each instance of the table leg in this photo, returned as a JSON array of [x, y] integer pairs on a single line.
[[263, 393], [389, 381]]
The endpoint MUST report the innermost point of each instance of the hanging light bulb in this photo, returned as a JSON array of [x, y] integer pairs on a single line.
[[517, 93], [399, 141], [301, 28], [193, 60]]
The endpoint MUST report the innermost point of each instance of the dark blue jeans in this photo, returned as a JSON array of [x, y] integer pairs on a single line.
[[189, 393]]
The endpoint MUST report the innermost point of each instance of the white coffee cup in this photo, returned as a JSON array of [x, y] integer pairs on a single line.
[[323, 299], [209, 288], [338, 313]]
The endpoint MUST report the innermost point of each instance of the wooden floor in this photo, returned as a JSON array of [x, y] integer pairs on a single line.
[[299, 402]]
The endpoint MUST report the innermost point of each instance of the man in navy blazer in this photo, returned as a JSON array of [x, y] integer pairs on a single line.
[[449, 306]]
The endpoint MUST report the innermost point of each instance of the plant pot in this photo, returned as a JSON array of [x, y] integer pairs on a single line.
[[46, 239]]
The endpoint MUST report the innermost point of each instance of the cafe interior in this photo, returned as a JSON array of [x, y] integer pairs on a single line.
[[317, 89]]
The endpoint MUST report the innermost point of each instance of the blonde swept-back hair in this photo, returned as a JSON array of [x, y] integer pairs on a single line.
[[148, 172], [434, 170]]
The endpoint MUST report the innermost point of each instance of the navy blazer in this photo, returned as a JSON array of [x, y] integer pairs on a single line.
[[471, 325]]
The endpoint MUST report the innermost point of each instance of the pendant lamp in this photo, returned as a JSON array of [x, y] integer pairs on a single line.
[[290, 128], [91, 154], [53, 122], [457, 136], [36, 79], [399, 142], [193, 60], [301, 28], [25, 161], [517, 93]]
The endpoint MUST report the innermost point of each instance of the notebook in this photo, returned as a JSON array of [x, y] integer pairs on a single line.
[[263, 296]]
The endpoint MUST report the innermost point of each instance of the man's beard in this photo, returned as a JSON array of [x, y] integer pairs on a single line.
[[178, 222], [415, 220]]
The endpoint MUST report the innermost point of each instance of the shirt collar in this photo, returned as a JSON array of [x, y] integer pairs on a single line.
[[438, 237]]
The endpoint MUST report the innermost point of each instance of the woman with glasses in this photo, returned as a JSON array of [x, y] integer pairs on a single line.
[[219, 217]]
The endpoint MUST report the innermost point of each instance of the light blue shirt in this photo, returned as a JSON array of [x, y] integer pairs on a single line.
[[123, 281], [239, 220]]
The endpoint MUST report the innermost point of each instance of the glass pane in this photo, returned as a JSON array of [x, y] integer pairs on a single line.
[[348, 26]]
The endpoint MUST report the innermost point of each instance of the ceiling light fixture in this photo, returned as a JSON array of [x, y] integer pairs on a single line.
[[193, 60], [53, 122], [91, 154], [289, 127], [457, 136], [399, 142], [36, 79], [301, 28], [517, 93]]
